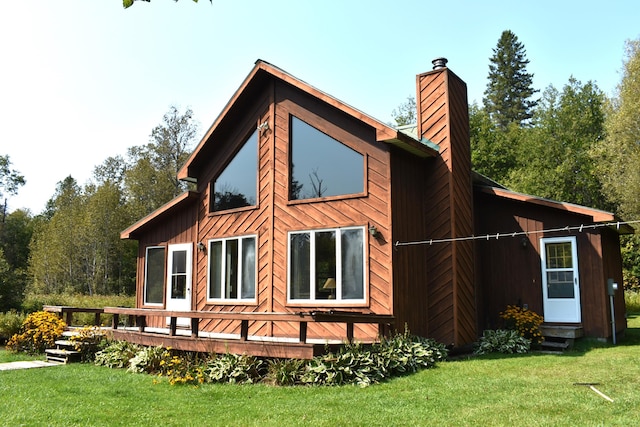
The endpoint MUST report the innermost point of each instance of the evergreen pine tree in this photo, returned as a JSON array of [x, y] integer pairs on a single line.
[[508, 95]]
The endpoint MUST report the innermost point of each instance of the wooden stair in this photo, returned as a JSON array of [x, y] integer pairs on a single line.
[[65, 351], [558, 338]]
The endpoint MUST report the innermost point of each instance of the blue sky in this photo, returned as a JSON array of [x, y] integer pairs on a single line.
[[84, 80]]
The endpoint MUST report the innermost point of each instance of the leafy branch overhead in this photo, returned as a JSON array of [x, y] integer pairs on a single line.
[[129, 3]]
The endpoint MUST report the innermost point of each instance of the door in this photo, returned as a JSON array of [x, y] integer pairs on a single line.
[[179, 279], [560, 281]]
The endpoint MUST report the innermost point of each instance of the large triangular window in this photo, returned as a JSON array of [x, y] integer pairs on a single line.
[[236, 186], [322, 166]]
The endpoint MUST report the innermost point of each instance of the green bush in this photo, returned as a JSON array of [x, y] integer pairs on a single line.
[[632, 300], [234, 368], [502, 341], [10, 323], [39, 331], [352, 364], [117, 354], [152, 360]]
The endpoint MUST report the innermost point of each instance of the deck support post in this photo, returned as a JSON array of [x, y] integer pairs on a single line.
[[350, 332], [141, 323], [116, 320], [173, 326], [244, 330], [303, 332], [195, 322]]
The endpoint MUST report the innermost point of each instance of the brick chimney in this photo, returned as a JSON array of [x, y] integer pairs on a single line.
[[443, 118]]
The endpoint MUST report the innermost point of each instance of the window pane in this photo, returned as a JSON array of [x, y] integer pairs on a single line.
[[154, 276], [326, 265], [236, 186], [322, 166], [248, 268], [559, 255], [560, 284], [179, 286], [179, 264], [215, 270], [300, 274], [352, 244], [231, 269]]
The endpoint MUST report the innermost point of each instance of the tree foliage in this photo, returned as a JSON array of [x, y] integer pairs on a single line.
[[618, 154], [150, 178], [406, 112], [554, 158], [509, 90]]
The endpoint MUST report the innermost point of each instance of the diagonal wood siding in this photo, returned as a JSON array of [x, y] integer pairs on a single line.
[[443, 119]]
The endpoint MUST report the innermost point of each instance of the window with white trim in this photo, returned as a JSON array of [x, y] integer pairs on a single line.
[[327, 264], [154, 269], [232, 269]]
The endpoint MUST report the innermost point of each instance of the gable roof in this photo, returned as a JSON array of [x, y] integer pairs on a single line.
[[260, 75]]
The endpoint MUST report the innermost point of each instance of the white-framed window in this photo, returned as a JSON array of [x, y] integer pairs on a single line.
[[327, 265], [154, 275], [232, 269]]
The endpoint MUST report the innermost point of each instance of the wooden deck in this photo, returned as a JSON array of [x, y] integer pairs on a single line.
[[130, 324]]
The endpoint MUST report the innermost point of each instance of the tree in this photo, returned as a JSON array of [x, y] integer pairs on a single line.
[[555, 155], [509, 90], [493, 153], [406, 112], [151, 178], [618, 155], [10, 182]]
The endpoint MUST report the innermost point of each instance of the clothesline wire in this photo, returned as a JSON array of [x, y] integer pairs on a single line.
[[497, 236]]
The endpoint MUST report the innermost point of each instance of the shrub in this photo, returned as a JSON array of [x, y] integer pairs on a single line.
[[234, 368], [502, 341], [632, 300], [39, 331], [10, 323], [117, 354], [152, 360], [285, 372], [88, 341], [525, 321]]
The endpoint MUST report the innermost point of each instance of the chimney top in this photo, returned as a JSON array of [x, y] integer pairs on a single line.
[[439, 63]]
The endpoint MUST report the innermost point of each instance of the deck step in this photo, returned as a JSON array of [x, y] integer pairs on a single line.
[[61, 355]]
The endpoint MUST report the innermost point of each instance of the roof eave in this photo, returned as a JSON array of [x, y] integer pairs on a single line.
[[597, 215], [132, 231]]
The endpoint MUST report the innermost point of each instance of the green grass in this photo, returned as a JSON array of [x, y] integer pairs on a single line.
[[528, 390]]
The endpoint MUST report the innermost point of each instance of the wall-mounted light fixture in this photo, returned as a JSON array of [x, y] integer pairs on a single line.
[[263, 126], [374, 231], [201, 247]]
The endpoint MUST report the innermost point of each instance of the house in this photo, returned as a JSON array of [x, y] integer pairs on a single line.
[[304, 204]]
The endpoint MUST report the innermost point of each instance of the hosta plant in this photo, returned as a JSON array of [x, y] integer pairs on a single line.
[[502, 341]]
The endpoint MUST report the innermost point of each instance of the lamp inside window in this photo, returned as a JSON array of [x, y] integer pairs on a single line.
[[330, 285]]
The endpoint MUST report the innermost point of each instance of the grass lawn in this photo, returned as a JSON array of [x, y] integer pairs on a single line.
[[529, 390]]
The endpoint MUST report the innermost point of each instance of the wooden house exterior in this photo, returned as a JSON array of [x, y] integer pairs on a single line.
[[300, 200]]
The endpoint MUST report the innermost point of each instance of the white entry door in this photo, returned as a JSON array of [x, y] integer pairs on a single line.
[[560, 280], [179, 279]]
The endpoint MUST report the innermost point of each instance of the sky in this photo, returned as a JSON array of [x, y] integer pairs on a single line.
[[81, 81]]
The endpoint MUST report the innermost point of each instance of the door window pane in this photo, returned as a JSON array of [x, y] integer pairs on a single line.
[[322, 166]]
